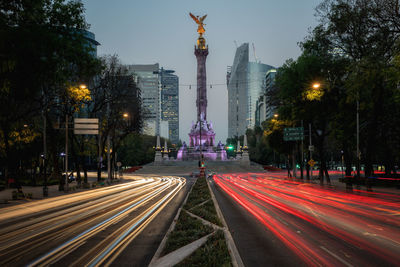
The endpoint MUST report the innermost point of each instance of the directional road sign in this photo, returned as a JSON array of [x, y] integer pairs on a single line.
[[311, 162], [86, 126], [293, 133]]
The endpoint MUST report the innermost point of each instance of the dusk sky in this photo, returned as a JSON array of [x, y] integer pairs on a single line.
[[148, 32]]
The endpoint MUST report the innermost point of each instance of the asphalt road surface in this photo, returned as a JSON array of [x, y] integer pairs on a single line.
[[280, 222], [104, 226]]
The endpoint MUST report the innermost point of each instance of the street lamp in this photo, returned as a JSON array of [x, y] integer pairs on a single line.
[[316, 85], [125, 115], [81, 86], [276, 115]]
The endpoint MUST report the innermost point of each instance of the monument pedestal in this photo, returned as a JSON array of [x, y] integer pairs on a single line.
[[245, 160], [245, 155], [158, 158], [158, 155]]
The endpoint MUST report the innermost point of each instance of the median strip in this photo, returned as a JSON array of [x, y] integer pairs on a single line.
[[198, 237]]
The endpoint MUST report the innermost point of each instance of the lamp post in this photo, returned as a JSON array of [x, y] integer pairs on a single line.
[[358, 137], [66, 152], [81, 86]]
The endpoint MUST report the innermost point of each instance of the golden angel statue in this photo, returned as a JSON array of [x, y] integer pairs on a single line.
[[199, 21]]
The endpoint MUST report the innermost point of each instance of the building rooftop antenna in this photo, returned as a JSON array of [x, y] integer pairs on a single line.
[[255, 56]]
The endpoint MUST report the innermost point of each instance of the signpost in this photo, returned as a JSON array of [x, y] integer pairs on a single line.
[[86, 126], [293, 134], [81, 126], [311, 162]]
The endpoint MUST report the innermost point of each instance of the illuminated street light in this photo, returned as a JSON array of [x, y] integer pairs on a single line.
[[125, 115], [276, 115], [316, 85], [82, 86]]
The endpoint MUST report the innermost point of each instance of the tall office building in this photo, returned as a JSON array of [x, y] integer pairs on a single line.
[[170, 103], [264, 109], [246, 81], [147, 79], [269, 86], [160, 100]]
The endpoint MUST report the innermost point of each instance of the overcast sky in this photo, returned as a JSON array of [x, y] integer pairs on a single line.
[[150, 31]]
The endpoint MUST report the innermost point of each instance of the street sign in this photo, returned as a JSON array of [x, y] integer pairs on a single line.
[[119, 164], [293, 133], [311, 162], [86, 126], [311, 148]]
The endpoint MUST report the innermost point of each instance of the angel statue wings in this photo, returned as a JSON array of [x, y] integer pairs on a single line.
[[199, 21]]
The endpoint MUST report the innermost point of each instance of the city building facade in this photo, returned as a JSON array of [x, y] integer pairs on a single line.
[[264, 109], [147, 79], [160, 100], [269, 87], [170, 103], [246, 81]]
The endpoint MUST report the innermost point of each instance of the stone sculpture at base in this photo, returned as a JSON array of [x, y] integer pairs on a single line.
[[245, 160], [158, 156]]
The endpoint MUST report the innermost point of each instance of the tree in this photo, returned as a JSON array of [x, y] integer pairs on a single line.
[[42, 48], [301, 101], [367, 32], [115, 95]]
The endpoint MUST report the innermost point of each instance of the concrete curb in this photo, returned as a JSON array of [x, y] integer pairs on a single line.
[[170, 229], [180, 254], [215, 227], [235, 256]]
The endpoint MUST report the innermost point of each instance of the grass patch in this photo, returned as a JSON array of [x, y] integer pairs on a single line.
[[187, 230], [207, 212], [213, 253], [199, 194]]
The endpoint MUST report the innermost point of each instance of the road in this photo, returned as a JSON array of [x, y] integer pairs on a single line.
[[88, 228], [282, 222]]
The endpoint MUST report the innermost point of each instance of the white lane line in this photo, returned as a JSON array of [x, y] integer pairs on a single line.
[[336, 257]]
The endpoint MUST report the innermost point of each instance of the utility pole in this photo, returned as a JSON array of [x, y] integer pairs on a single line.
[[302, 151], [66, 152], [311, 168], [108, 145], [45, 189], [358, 138], [100, 160]]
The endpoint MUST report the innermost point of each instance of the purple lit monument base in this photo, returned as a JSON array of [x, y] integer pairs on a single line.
[[202, 138]]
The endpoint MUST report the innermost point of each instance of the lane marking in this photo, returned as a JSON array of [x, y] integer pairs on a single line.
[[336, 257]]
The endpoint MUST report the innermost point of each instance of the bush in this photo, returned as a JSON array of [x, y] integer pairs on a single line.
[[187, 230], [207, 211], [199, 194], [213, 253]]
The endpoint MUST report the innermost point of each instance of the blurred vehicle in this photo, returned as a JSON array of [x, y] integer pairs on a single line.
[[71, 177]]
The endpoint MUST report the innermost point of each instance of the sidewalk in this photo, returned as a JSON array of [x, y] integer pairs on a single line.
[[37, 191]]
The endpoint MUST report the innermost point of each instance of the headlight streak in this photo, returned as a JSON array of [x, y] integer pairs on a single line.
[[58, 252], [125, 236], [38, 226], [60, 201], [348, 217]]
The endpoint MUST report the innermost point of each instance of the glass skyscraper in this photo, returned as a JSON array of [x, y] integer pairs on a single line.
[[147, 79], [170, 103], [160, 100], [246, 80]]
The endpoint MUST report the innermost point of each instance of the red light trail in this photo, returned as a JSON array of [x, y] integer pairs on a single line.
[[322, 226]]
